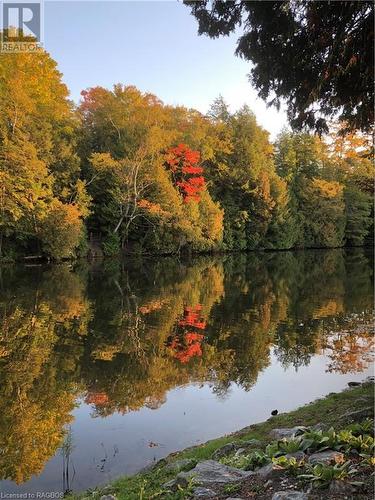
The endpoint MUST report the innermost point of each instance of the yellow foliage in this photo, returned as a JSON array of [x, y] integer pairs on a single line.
[[61, 229], [328, 189]]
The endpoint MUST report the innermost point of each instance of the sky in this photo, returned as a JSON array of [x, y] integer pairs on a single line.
[[155, 46]]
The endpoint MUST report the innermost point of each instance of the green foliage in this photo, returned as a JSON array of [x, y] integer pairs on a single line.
[[292, 465], [312, 441], [329, 201], [180, 494], [360, 444], [358, 207], [365, 427], [111, 245], [322, 207], [293, 59], [321, 475], [367, 461], [288, 446], [319, 441], [249, 461]]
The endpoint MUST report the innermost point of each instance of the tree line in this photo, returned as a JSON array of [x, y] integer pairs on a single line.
[[123, 172]]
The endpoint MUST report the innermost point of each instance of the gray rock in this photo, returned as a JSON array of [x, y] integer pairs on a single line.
[[354, 384], [225, 450], [369, 380], [108, 497], [290, 495], [298, 455], [204, 493], [183, 464], [173, 484], [251, 443], [287, 432], [209, 472], [234, 498], [326, 457], [265, 471]]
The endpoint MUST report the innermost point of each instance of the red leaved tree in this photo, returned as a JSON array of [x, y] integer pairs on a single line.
[[187, 173]]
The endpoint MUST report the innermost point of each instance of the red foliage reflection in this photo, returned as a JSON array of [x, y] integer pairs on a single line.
[[187, 344], [97, 398]]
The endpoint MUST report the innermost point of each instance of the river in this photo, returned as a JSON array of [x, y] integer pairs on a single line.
[[109, 366]]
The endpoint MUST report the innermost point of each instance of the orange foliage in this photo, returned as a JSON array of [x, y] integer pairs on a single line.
[[350, 352], [151, 208], [154, 305]]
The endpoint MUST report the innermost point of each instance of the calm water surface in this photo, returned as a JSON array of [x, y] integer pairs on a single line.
[[105, 368]]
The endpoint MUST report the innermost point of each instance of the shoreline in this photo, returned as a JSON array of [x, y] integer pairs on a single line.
[[38, 260], [334, 410]]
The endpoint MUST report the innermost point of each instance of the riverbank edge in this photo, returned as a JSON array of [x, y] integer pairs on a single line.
[[147, 483], [41, 259]]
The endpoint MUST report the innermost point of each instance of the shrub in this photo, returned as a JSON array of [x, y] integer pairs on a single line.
[[111, 245]]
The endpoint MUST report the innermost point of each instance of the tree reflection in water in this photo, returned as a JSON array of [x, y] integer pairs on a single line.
[[120, 336]]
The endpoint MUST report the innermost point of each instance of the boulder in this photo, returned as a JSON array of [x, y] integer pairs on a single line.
[[204, 493], [183, 464], [290, 495], [108, 497], [287, 432], [225, 450], [207, 473], [229, 448], [326, 457], [266, 471], [173, 484], [354, 384], [251, 443]]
